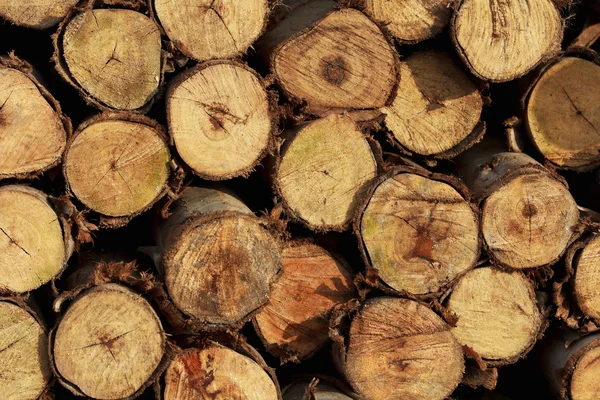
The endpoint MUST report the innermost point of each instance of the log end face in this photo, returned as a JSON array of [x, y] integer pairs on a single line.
[[43, 15], [584, 379], [586, 281]]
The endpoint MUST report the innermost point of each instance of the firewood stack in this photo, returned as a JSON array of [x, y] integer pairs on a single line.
[[299, 199]]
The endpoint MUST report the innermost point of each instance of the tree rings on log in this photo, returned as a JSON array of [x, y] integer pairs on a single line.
[[36, 14], [585, 282], [220, 119]]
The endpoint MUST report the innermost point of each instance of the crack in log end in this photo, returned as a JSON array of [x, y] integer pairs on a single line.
[[334, 71], [218, 114], [14, 242]]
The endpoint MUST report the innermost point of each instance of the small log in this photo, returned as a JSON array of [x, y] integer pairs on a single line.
[[324, 170], [317, 389], [333, 59], [220, 119], [498, 315], [117, 165], [502, 41], [113, 57], [33, 129], [219, 261], [398, 349], [212, 29], [295, 322], [437, 107], [438, 227], [34, 249], [41, 15]]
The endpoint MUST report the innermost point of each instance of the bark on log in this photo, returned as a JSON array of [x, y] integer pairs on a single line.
[[438, 227], [503, 40], [35, 244], [295, 322], [498, 315], [220, 119], [109, 344], [400, 349], [226, 29], [437, 107], [117, 164], [333, 59], [529, 218], [33, 129], [324, 170], [35, 14], [113, 57], [24, 364], [219, 260], [314, 390]]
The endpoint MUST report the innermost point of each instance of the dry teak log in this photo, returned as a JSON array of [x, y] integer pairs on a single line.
[[323, 171], [220, 119], [399, 349], [437, 107], [112, 56], [562, 113], [108, 344], [295, 322], [117, 165], [219, 261], [410, 21], [314, 390], [503, 40], [529, 218], [36, 14], [33, 248], [331, 58], [437, 227], [498, 315], [218, 372], [33, 130], [24, 364], [212, 29]]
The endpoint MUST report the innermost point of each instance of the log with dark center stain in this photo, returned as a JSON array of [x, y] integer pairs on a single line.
[[334, 71], [529, 210], [199, 376]]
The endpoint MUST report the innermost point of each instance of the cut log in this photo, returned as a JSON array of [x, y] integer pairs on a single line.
[[36, 14], [220, 119], [323, 172], [333, 59], [498, 316], [219, 260], [400, 349], [529, 218], [562, 114], [503, 40], [295, 322], [33, 249], [411, 21], [313, 390], [108, 344], [112, 56], [212, 29], [33, 129], [438, 228], [436, 108], [117, 164], [24, 364], [217, 372]]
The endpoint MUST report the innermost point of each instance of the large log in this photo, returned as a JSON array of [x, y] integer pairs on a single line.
[[40, 15]]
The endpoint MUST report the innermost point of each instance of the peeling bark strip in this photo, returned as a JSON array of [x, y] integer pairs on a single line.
[[117, 164], [398, 349], [334, 59], [437, 227], [220, 119], [36, 14], [529, 218], [108, 344], [33, 250], [498, 316], [219, 260], [501, 40], [24, 364], [112, 56], [212, 29], [33, 130], [295, 322], [561, 114], [324, 170], [436, 107]]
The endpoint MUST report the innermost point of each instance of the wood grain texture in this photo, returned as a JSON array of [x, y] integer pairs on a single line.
[[36, 14], [586, 281]]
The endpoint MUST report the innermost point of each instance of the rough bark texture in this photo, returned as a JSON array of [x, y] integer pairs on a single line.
[[36, 14], [330, 58], [220, 119]]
